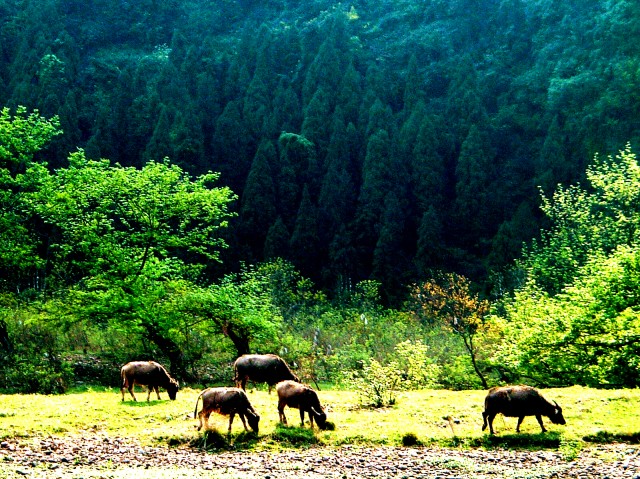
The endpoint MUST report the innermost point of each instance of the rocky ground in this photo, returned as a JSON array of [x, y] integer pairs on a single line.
[[64, 458]]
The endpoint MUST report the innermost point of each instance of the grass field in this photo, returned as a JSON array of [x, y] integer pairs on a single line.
[[433, 417]]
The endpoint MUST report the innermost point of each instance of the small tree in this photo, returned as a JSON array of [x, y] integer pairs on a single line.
[[450, 302]]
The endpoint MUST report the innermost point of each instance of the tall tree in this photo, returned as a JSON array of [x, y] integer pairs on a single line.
[[258, 206]]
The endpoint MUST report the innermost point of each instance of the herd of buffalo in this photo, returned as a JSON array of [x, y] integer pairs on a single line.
[[511, 401]]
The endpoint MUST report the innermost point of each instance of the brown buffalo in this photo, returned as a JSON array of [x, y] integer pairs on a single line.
[[229, 402], [150, 374], [299, 396], [261, 368], [519, 401]]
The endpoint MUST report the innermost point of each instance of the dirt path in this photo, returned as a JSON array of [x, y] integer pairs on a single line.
[[110, 457]]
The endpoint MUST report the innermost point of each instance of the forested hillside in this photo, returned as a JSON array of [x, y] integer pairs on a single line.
[[365, 140]]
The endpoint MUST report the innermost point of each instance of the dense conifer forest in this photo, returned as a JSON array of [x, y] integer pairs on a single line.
[[364, 140], [358, 144]]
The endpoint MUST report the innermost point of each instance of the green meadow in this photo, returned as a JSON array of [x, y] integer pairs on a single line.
[[429, 417]]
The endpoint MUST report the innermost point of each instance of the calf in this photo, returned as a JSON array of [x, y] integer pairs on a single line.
[[150, 374], [299, 396], [519, 401], [229, 402]]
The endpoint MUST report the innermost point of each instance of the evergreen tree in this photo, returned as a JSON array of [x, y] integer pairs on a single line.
[[390, 264], [304, 241], [427, 168], [552, 167], [257, 100], [315, 126], [276, 245], [413, 85], [473, 181], [298, 166], [323, 73], [160, 144], [258, 206], [430, 253], [338, 195], [349, 94], [232, 148], [286, 114]]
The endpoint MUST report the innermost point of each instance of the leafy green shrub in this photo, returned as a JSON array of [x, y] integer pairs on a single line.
[[31, 376], [416, 367], [376, 384]]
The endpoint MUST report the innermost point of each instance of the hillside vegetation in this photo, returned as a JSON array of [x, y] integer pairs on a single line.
[[398, 196]]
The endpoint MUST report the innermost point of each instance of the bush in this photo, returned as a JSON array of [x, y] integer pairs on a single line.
[[416, 367], [376, 384], [31, 376]]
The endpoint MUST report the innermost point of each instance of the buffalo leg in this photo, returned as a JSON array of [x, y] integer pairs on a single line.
[[244, 423], [157, 390], [130, 389], [302, 418], [490, 418], [200, 416], [539, 418], [231, 416], [281, 416], [311, 417], [520, 419]]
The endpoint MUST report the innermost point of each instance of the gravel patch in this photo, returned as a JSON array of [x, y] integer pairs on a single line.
[[61, 458]]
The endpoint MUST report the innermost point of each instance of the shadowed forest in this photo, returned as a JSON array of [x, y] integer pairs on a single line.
[[439, 193]]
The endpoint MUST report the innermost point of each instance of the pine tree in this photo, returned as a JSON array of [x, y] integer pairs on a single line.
[[315, 126], [232, 149], [349, 94], [276, 245], [258, 205], [430, 253], [160, 145], [473, 184], [304, 243]]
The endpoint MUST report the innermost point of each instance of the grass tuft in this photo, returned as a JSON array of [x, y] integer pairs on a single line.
[[211, 440], [329, 426], [294, 436], [548, 440], [410, 440], [605, 437]]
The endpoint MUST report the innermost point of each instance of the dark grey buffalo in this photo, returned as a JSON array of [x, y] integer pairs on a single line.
[[519, 401], [150, 374], [261, 368], [228, 402], [299, 396]]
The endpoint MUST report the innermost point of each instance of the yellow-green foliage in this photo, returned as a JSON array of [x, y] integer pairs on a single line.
[[433, 416]]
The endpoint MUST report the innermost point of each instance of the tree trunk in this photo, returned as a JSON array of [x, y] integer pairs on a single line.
[[171, 350], [240, 341], [469, 345], [5, 342]]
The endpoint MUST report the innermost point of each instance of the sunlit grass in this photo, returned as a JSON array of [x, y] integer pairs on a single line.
[[434, 417]]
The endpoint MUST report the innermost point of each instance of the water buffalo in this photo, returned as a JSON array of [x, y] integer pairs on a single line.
[[226, 401], [261, 368], [299, 396], [519, 401], [150, 374]]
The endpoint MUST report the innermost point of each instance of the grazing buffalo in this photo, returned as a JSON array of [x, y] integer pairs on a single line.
[[261, 368], [299, 396], [519, 401], [150, 374], [229, 402]]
